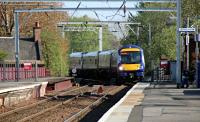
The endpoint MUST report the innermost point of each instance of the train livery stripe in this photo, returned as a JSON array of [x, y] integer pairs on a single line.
[[130, 67], [129, 49]]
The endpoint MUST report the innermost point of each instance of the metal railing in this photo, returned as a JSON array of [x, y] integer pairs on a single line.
[[34, 71], [160, 75]]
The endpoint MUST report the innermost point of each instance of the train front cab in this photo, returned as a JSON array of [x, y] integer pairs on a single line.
[[75, 67], [131, 64]]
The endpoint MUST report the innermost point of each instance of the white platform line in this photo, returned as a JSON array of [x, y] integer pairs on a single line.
[[108, 113]]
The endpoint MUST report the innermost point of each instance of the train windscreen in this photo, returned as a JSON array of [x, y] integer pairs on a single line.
[[130, 57]]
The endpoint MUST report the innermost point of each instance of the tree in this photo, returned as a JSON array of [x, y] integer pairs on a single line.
[[164, 43], [27, 20], [7, 20], [163, 35], [2, 55], [190, 8], [86, 41], [54, 51]]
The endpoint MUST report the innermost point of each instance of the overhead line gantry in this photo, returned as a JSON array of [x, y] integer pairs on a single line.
[[160, 1], [97, 9], [177, 10]]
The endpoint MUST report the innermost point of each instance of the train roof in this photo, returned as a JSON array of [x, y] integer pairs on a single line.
[[107, 52], [130, 46], [91, 53], [76, 54]]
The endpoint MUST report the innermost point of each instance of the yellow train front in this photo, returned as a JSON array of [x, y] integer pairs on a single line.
[[131, 63]]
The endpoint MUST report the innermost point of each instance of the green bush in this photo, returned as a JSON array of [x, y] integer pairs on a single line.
[[3, 55], [54, 52]]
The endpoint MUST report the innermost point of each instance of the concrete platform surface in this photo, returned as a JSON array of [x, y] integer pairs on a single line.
[[165, 103], [6, 86], [12, 92]]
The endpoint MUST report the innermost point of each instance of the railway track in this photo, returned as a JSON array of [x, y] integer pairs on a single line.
[[76, 108], [88, 108], [67, 106], [22, 112]]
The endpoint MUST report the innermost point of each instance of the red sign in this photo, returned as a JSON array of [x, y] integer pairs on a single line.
[[164, 64], [27, 66]]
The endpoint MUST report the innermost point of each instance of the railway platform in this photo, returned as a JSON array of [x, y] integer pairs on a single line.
[[160, 103], [12, 92]]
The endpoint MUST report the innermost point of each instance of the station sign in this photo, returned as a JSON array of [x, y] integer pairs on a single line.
[[164, 63], [197, 38], [27, 66], [187, 29]]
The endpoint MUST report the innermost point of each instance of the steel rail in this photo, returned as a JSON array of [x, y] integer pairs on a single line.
[[46, 110], [87, 109], [37, 103]]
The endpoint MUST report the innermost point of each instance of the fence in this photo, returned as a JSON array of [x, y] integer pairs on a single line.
[[34, 70], [160, 75]]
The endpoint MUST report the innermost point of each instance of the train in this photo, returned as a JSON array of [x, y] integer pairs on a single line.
[[124, 64]]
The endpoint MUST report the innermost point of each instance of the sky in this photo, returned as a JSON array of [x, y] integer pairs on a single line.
[[102, 15], [120, 32]]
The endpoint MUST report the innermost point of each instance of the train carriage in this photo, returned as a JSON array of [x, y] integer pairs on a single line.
[[127, 63], [90, 64], [107, 67]]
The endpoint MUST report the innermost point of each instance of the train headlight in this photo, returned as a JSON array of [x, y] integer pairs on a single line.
[[74, 70], [121, 68], [141, 67]]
